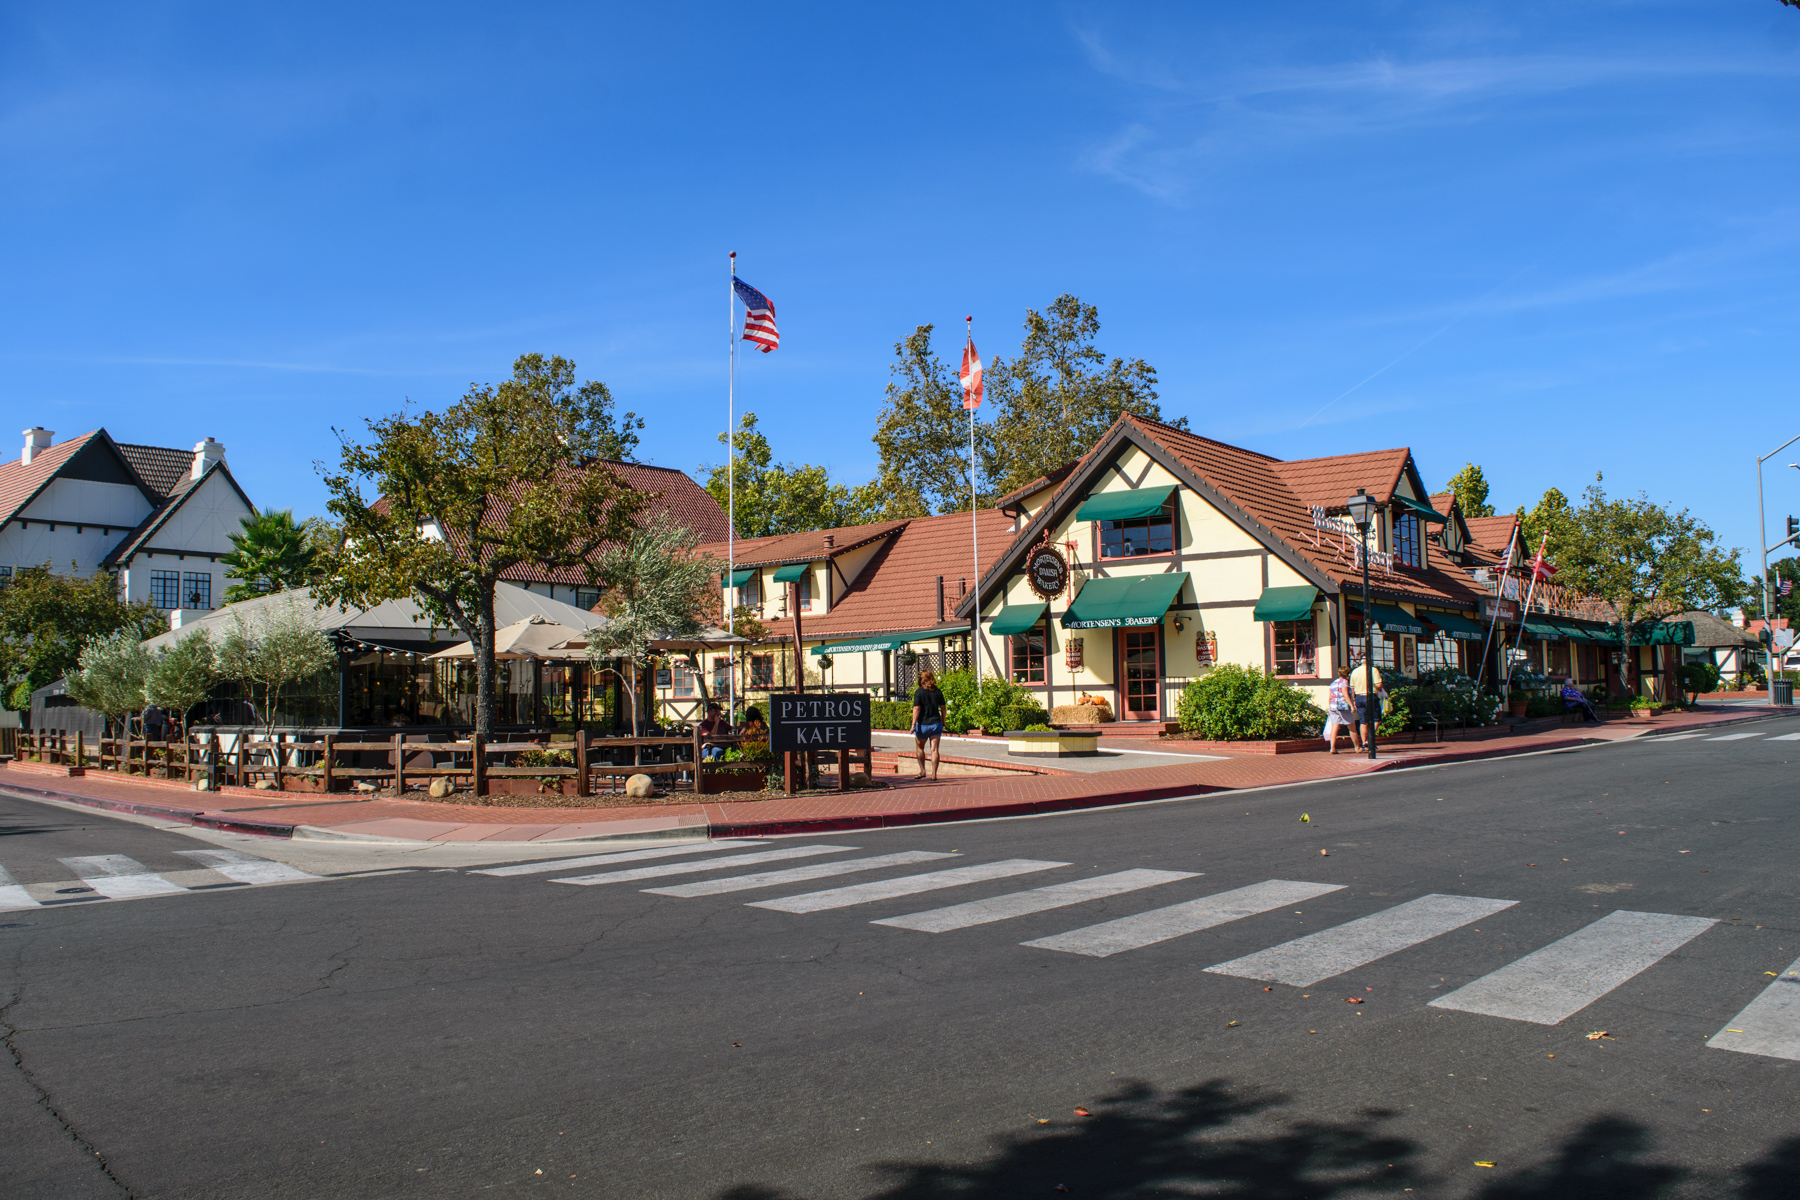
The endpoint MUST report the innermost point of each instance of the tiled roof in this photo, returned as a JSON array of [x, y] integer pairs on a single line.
[[898, 590], [1329, 482], [164, 469], [19, 481], [1492, 533], [799, 547], [1442, 501]]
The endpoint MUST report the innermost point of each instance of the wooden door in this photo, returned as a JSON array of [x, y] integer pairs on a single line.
[[1141, 677]]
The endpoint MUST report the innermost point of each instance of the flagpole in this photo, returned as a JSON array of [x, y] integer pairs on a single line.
[[1530, 591], [1499, 595], [731, 479], [974, 526]]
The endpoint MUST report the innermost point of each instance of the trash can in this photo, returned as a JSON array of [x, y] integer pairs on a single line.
[[1783, 689]]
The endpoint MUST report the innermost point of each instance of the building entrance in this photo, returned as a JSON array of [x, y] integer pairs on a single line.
[[1141, 655]]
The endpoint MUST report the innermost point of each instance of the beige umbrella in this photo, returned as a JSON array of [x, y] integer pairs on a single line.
[[707, 639], [534, 637]]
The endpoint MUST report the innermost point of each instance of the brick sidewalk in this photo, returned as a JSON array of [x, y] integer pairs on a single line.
[[903, 802]]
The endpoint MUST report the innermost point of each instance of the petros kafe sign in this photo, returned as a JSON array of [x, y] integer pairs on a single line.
[[1047, 571], [833, 721]]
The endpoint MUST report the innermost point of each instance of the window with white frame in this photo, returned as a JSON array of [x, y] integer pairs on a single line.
[[1296, 647]]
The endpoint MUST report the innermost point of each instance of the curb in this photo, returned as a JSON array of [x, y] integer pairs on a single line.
[[185, 816], [675, 833]]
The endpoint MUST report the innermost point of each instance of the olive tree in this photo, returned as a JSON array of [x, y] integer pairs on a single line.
[[110, 679], [182, 675], [657, 589], [277, 647]]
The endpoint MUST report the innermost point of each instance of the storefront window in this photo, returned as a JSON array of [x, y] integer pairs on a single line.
[[721, 680], [1028, 655], [1140, 535], [1407, 541], [1440, 654], [762, 671], [681, 681], [1296, 647], [1384, 646]]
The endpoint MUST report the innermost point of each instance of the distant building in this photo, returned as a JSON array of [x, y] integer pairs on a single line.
[[157, 517]]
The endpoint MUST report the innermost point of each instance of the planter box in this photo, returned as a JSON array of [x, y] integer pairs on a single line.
[[1054, 744], [734, 778]]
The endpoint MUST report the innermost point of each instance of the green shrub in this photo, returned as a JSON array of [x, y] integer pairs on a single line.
[[1543, 706], [1039, 728], [890, 714], [1024, 716], [1396, 714], [1232, 703], [984, 708], [1699, 677]]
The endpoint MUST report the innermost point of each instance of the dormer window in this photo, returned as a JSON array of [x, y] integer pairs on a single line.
[[1135, 537], [1408, 543]]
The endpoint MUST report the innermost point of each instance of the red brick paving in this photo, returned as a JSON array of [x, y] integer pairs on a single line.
[[903, 802]]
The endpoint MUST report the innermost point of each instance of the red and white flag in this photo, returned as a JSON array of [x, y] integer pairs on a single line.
[[970, 375], [1541, 570]]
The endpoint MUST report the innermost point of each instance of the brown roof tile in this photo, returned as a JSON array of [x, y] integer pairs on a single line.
[[1492, 533], [799, 547], [163, 468], [19, 481]]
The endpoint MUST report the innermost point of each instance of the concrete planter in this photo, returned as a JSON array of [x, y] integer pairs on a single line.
[[1027, 743]]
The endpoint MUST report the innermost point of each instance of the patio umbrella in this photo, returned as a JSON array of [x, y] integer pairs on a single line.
[[710, 638], [534, 637]]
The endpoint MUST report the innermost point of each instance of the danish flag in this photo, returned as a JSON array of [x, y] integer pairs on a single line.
[[970, 376], [1540, 569]]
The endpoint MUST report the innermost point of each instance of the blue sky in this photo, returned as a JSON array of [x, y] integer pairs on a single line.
[[1551, 238]]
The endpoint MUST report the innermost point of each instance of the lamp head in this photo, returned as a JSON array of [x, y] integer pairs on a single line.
[[1362, 508]]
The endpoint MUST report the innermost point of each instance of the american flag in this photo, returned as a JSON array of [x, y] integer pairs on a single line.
[[759, 317]]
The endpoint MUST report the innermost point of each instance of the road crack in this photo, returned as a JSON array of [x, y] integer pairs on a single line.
[[8, 1036]]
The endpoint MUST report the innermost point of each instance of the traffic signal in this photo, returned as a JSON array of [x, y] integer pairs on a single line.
[[1793, 527]]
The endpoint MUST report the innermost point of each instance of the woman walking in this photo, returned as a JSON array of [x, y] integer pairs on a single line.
[[928, 720], [1340, 712]]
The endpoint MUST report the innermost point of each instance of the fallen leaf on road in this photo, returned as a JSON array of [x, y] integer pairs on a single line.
[[1229, 1024], [1043, 1120], [1734, 1031], [1681, 852], [1597, 1035], [1324, 852], [1306, 818], [1268, 989], [1488, 1165], [539, 1171], [1353, 999]]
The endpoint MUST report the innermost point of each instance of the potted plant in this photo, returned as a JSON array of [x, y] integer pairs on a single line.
[[1642, 709]]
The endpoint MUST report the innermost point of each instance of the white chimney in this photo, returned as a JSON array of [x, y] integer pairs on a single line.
[[206, 453], [37, 440]]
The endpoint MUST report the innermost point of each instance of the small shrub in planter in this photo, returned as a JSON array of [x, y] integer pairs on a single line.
[[1039, 728], [1233, 703], [970, 707], [1024, 716], [890, 714]]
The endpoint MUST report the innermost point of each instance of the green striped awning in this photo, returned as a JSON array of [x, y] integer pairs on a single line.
[[737, 578], [1459, 627], [1422, 511], [1285, 603], [881, 641], [1538, 627], [1129, 600], [1394, 620], [1016, 618], [791, 572], [1123, 506]]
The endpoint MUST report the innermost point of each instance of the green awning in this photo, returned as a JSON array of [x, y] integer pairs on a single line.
[[1285, 603], [1422, 511], [871, 643], [1123, 506], [1459, 627], [791, 572], [1016, 618], [737, 578], [1125, 601], [1538, 627], [1573, 632], [1395, 620]]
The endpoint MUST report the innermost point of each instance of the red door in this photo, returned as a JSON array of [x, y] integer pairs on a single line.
[[1142, 681]]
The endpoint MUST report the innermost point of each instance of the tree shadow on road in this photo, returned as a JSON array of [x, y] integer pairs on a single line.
[[1600, 1162], [1140, 1143]]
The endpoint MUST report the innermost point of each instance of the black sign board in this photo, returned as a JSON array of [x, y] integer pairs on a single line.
[[828, 721]]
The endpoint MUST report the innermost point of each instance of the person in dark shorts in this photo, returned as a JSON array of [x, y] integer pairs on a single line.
[[928, 720]]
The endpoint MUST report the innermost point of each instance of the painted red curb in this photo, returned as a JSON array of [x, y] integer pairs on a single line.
[[185, 816]]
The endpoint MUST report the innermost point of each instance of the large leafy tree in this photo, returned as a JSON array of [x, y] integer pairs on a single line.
[[1044, 408], [504, 476], [774, 497], [1645, 559], [595, 432], [46, 619], [657, 589], [1785, 606], [270, 553], [1470, 487], [1552, 515]]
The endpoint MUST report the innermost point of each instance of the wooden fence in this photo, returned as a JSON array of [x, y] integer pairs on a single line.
[[328, 763]]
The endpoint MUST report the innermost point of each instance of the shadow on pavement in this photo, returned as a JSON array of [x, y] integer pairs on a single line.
[[1139, 1143]]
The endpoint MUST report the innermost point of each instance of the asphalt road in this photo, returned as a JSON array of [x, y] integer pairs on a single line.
[[438, 1032]]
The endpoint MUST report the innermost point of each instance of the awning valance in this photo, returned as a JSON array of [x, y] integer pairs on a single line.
[[1285, 603], [1125, 601], [1016, 618], [1538, 627], [1395, 620], [737, 578], [1459, 627], [1123, 506], [1422, 511], [881, 641], [791, 572]]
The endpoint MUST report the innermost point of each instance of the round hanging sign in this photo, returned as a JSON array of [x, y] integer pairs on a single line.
[[1047, 572]]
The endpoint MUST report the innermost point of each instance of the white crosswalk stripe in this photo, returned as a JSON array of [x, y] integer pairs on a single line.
[[12, 896], [119, 878], [247, 868], [694, 868], [1786, 737], [1019, 904], [1770, 1024], [1673, 737], [744, 883], [1566, 976], [617, 856], [905, 885], [1305, 961], [1161, 924], [1734, 737]]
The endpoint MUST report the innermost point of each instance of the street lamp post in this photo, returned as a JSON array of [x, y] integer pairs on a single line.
[[1762, 533], [1362, 510]]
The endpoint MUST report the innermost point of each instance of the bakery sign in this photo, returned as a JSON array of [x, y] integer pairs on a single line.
[[1047, 571]]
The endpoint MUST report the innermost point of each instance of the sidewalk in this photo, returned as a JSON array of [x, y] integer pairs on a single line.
[[903, 801]]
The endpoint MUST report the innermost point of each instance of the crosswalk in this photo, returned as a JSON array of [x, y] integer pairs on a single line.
[[1663, 739], [98, 877], [1544, 986]]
